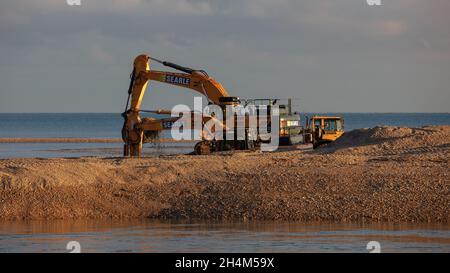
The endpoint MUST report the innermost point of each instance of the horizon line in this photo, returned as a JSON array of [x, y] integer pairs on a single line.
[[330, 112]]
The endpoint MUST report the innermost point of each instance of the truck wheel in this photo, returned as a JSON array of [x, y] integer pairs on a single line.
[[202, 148]]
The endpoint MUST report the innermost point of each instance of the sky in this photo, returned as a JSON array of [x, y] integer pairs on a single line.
[[330, 55]]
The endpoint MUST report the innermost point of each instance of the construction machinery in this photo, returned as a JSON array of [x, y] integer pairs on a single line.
[[323, 129], [138, 130], [291, 130], [318, 130]]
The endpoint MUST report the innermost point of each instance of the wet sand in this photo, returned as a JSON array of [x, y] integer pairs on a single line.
[[375, 175]]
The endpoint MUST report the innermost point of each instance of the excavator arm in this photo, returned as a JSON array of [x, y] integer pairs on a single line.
[[197, 80]]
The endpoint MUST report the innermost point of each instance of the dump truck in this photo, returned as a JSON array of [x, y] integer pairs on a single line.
[[323, 129], [318, 130]]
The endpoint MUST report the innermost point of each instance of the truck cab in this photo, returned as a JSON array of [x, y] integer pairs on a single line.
[[290, 126], [325, 129]]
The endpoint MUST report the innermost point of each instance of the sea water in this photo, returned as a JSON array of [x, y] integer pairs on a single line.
[[178, 236], [109, 125]]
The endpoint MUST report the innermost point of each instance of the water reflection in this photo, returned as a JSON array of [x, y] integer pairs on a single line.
[[49, 150], [176, 236]]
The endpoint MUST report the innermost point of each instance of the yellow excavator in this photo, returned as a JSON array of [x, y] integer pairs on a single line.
[[138, 130]]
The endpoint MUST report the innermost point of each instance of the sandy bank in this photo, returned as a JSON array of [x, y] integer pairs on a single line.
[[380, 174]]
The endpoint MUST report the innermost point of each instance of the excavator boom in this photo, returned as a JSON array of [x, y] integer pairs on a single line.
[[197, 80]]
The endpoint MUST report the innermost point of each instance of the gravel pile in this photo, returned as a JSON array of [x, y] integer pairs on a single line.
[[380, 174], [388, 138]]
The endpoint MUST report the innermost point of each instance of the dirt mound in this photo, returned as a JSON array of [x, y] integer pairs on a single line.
[[379, 174], [294, 185], [388, 139]]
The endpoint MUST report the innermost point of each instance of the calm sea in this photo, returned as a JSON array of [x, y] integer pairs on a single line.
[[109, 126]]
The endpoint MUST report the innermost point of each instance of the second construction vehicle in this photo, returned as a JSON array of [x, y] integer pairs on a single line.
[[323, 129]]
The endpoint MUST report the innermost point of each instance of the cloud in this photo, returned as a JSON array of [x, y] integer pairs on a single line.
[[388, 28], [302, 48], [101, 55], [151, 7]]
